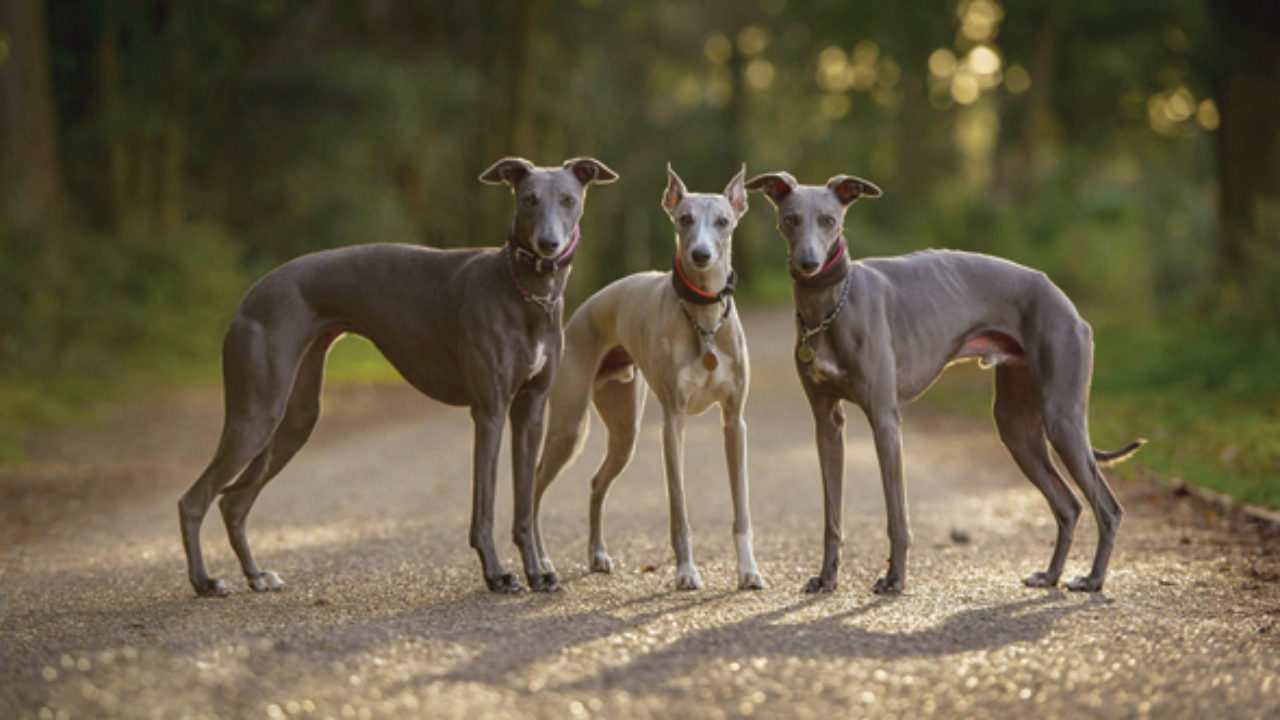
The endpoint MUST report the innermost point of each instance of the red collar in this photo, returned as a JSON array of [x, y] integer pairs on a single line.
[[689, 292]]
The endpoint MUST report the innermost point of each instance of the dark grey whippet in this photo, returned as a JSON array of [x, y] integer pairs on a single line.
[[477, 328], [878, 332]]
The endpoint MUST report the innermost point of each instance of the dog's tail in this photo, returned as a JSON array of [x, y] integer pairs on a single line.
[[1118, 456]]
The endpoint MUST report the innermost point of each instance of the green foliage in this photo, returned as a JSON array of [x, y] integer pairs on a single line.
[[115, 308], [204, 143]]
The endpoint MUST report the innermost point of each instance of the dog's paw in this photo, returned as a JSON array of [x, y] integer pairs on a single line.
[[211, 587], [601, 562], [545, 564], [266, 581], [750, 580], [819, 584], [1085, 584], [1039, 580], [688, 579], [887, 585], [505, 584], [544, 582]]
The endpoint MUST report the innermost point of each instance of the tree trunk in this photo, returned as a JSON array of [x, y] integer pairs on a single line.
[[521, 78], [744, 251], [1248, 89], [29, 169]]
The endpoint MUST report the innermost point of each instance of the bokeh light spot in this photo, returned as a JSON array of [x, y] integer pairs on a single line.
[[717, 48], [1017, 79], [942, 63]]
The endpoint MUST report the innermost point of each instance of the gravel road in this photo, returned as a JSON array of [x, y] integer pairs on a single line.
[[385, 613]]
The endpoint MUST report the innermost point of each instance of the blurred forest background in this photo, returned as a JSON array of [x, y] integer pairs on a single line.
[[159, 155]]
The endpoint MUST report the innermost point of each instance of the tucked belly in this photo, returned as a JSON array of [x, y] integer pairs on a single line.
[[992, 348], [617, 366]]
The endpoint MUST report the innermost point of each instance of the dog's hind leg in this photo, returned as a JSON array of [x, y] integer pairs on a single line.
[[620, 405], [1017, 415], [1064, 387], [566, 427], [293, 432], [257, 377]]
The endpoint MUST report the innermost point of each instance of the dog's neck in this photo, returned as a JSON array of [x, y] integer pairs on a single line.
[[535, 274], [815, 295], [703, 290]]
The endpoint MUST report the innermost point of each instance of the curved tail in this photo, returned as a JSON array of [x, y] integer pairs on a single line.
[[1118, 456]]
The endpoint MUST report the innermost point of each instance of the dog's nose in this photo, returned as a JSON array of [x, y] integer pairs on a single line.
[[809, 267], [701, 256], [547, 245]]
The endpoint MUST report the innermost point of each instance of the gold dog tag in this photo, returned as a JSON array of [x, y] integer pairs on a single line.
[[805, 353], [710, 361]]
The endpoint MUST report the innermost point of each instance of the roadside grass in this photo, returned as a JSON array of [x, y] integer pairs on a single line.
[[35, 400], [1207, 399]]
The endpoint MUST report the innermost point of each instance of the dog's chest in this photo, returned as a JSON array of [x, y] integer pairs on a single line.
[[699, 388], [539, 359], [825, 368]]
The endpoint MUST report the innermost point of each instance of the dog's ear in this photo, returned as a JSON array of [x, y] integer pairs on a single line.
[[849, 188], [675, 191], [736, 192], [775, 186], [509, 170], [590, 170]]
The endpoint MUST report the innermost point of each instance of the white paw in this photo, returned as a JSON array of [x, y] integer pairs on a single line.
[[688, 579], [1085, 584], [547, 567], [266, 582], [601, 562], [750, 580]]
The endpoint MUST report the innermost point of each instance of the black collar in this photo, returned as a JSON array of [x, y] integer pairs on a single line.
[[834, 270], [691, 293]]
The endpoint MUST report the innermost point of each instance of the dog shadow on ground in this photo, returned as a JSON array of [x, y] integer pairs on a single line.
[[767, 635], [764, 635]]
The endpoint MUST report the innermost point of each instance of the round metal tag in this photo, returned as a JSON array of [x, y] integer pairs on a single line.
[[805, 353], [710, 361]]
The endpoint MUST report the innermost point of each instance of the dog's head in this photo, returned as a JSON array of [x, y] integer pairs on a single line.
[[704, 221], [548, 200], [811, 217]]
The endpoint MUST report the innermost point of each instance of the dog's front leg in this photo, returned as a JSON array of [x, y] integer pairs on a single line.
[[885, 427], [687, 576], [828, 422], [488, 419], [527, 416], [735, 450]]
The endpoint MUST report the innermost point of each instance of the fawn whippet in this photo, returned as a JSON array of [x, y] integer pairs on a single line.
[[680, 329]]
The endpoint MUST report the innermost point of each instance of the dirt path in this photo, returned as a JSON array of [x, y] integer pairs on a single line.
[[385, 615]]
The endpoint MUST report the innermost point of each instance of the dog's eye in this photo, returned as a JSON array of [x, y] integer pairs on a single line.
[[792, 220], [828, 221], [686, 219], [722, 222], [530, 200], [566, 200]]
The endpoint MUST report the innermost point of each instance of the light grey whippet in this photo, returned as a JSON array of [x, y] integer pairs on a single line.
[[878, 332], [475, 327], [681, 330]]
